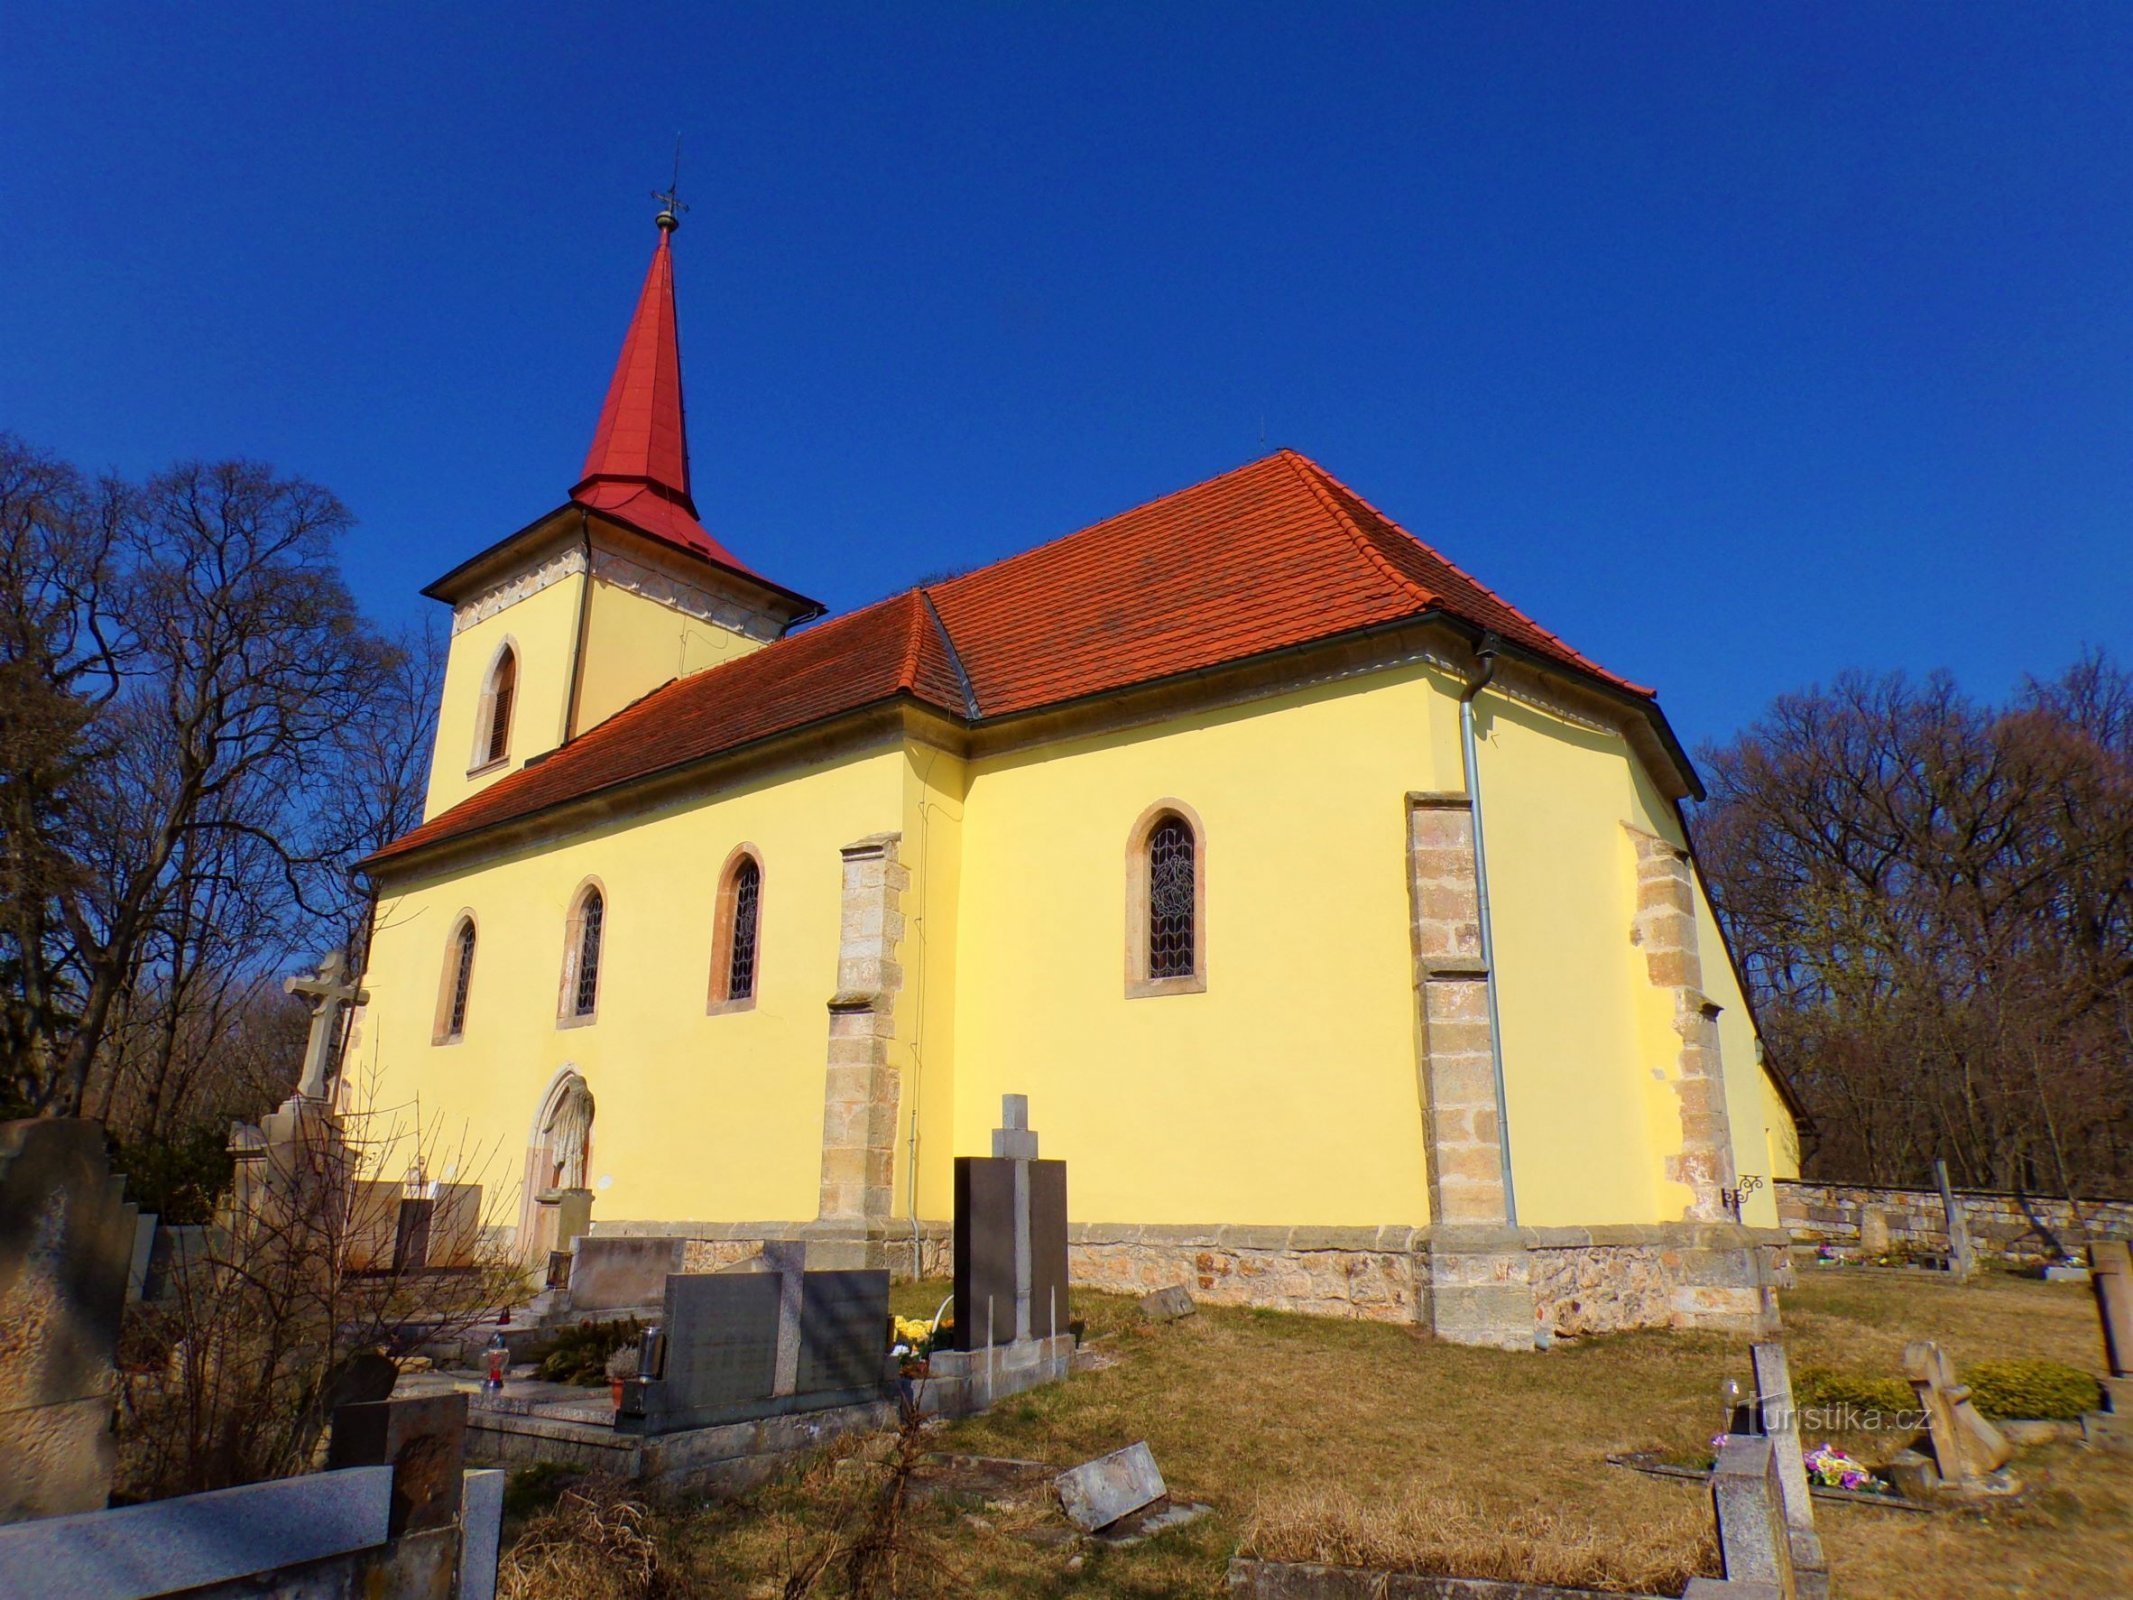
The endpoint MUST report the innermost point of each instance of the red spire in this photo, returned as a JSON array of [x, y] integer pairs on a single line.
[[637, 470]]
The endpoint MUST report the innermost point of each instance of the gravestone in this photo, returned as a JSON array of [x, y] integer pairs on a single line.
[[622, 1272], [1781, 1425], [424, 1441], [1752, 1536], [144, 1247], [1167, 1305], [2111, 1278], [66, 1244], [843, 1321], [373, 1224], [762, 1338], [1873, 1231], [1097, 1493], [1965, 1445], [1962, 1254], [1010, 1238], [720, 1333]]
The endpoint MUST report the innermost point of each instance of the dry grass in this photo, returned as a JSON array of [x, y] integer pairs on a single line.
[[1419, 1530], [595, 1543], [1366, 1441]]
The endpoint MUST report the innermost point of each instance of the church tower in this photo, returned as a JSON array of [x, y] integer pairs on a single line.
[[618, 590]]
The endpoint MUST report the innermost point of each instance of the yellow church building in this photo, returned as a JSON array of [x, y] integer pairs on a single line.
[[1338, 919]]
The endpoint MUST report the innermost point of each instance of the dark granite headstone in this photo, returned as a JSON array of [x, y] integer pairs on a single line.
[[1047, 1249], [721, 1350], [984, 1251], [985, 1273], [411, 1240], [844, 1322]]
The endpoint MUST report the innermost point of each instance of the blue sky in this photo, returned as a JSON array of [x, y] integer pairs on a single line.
[[1739, 344]]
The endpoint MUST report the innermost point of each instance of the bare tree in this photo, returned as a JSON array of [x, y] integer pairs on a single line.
[[177, 826], [1934, 903]]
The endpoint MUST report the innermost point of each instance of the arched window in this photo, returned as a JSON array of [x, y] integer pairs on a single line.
[[1166, 902], [492, 722], [458, 983], [581, 955], [737, 939]]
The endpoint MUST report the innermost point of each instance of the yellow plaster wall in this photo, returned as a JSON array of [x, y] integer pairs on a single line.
[[699, 1117], [543, 629], [633, 645], [1286, 1093], [932, 851], [1764, 1140], [1583, 1031]]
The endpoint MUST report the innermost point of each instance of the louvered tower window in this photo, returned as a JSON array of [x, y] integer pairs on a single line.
[[1170, 900], [503, 689]]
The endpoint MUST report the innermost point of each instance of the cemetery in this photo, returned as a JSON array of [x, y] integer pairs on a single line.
[[750, 1421]]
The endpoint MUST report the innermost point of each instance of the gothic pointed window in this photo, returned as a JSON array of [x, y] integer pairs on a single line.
[[736, 945], [1166, 909], [458, 984], [492, 723], [581, 955]]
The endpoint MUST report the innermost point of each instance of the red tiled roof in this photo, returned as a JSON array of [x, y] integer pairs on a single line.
[[1275, 554], [860, 659]]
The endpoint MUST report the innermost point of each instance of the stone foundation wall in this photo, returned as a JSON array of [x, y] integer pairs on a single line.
[[1580, 1280], [1576, 1280], [1603, 1280], [2002, 1225], [1331, 1272]]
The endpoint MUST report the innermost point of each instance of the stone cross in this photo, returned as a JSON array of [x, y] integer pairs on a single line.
[[1965, 1445], [1014, 1140], [1752, 1537], [328, 989], [1781, 1425], [1962, 1256], [2111, 1277]]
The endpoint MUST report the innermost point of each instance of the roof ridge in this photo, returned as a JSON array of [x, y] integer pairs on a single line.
[[1296, 464], [1129, 511], [1437, 555]]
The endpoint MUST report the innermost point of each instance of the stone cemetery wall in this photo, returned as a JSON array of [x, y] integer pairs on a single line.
[[2002, 1225]]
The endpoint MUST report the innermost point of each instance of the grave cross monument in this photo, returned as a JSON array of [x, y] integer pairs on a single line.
[[1965, 1446], [1010, 1238], [2111, 1277], [328, 990]]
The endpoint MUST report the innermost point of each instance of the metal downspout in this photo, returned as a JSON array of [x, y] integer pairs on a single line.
[[1485, 653]]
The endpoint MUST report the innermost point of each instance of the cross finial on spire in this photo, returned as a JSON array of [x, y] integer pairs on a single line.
[[670, 206]]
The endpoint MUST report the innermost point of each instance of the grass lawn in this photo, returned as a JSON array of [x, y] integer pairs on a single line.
[[1332, 1439]]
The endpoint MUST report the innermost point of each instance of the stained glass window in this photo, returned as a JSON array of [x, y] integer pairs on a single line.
[[588, 989], [1170, 900], [747, 894], [462, 980]]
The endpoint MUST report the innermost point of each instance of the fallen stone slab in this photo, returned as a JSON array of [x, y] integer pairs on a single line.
[[1167, 1305], [1097, 1493]]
